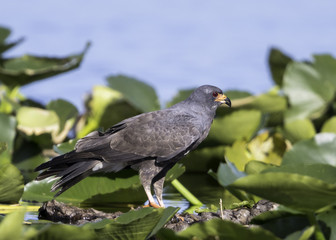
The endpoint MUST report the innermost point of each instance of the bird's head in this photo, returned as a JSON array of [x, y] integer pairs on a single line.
[[210, 96]]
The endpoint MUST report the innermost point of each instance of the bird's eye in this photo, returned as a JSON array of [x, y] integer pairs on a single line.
[[215, 94]]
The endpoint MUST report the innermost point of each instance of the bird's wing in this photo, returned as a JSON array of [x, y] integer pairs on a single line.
[[162, 135]]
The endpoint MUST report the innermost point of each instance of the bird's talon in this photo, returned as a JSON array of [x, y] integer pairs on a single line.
[[154, 205]]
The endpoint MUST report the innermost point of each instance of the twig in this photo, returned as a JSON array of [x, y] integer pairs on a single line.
[[221, 209]]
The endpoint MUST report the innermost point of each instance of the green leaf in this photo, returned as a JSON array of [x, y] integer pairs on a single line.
[[137, 93], [180, 96], [137, 224], [326, 66], [64, 231], [254, 167], [237, 94], [282, 223], [307, 233], [67, 114], [123, 187], [3, 147], [218, 229], [324, 172], [241, 124], [238, 154], [278, 62], [11, 226], [303, 193], [10, 99], [4, 33], [102, 97], [27, 164], [65, 147], [27, 156], [11, 183], [228, 173], [320, 149], [299, 129], [203, 159], [7, 130], [329, 218], [270, 103], [329, 125], [309, 94], [28, 68], [104, 101]]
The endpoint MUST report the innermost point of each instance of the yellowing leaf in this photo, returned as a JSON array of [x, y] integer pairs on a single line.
[[264, 148]]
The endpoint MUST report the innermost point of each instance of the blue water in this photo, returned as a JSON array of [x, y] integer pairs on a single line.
[[170, 45]]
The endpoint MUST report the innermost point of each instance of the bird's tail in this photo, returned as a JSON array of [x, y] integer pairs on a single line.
[[70, 168]]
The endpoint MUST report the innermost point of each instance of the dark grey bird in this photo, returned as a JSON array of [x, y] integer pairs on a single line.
[[150, 143]]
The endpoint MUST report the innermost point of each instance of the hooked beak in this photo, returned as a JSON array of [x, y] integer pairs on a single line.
[[223, 99]]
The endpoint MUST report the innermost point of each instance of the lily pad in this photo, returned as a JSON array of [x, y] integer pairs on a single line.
[[105, 100], [326, 66], [28, 68], [300, 129], [308, 92], [10, 99], [4, 46], [140, 224], [11, 226], [272, 104], [278, 62], [241, 124], [304, 193], [329, 218], [37, 121], [217, 229], [320, 149], [204, 158], [254, 167], [62, 231], [269, 103], [324, 172], [123, 187], [329, 125], [282, 223], [67, 114], [11, 183], [8, 130], [180, 96], [228, 173], [65, 147], [137, 93]]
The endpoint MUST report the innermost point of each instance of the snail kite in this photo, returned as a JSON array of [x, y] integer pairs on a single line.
[[150, 143]]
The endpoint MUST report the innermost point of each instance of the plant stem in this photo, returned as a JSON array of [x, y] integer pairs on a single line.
[[318, 233], [185, 193]]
